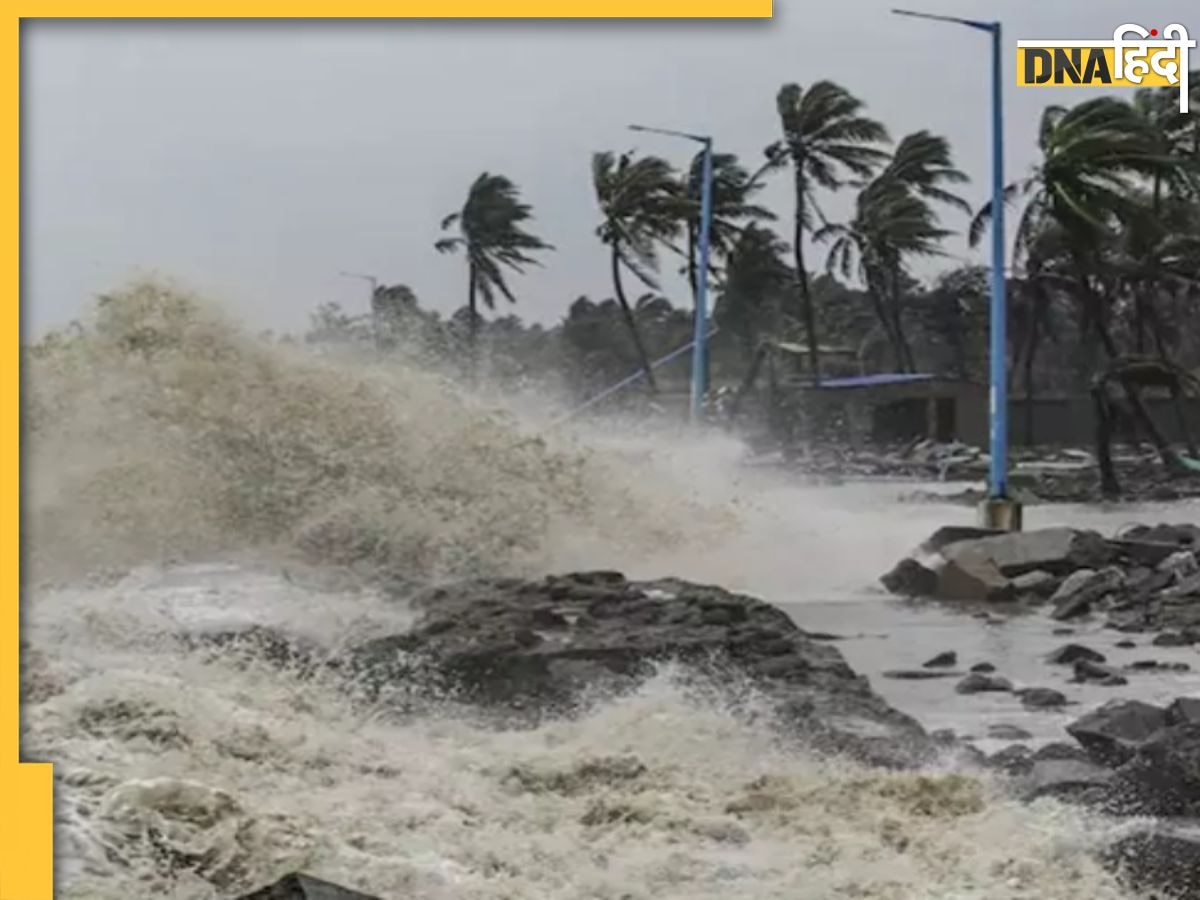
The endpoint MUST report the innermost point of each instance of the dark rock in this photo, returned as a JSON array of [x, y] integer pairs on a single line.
[[1059, 751], [1094, 673], [1068, 780], [1068, 654], [983, 667], [1036, 584], [955, 534], [474, 643], [946, 660], [1126, 644], [305, 887], [1171, 639], [978, 682], [1014, 759], [1112, 733], [919, 674], [1005, 732], [1152, 665], [911, 579], [1062, 632], [1076, 595], [970, 574], [944, 737], [1184, 710], [1042, 698], [1160, 862], [1181, 564], [1179, 537], [1058, 551]]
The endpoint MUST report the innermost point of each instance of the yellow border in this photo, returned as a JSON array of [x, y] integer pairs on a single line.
[[26, 789]]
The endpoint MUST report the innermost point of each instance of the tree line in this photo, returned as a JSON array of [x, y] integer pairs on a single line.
[[1104, 267]]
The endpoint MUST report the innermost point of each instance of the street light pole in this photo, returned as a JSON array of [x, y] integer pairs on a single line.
[[700, 325], [998, 511]]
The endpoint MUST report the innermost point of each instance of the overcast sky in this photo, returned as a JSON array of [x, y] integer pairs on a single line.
[[254, 161]]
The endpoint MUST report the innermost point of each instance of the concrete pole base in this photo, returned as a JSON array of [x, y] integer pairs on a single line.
[[1000, 513]]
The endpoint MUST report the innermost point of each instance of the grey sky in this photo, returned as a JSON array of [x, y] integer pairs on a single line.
[[255, 160]]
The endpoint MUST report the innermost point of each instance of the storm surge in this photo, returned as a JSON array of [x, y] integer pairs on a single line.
[[183, 476]]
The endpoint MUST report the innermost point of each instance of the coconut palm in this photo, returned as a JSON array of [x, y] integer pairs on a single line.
[[732, 209], [756, 285], [491, 233], [641, 202], [825, 138]]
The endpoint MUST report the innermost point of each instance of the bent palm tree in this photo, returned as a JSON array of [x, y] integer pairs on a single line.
[[641, 203], [490, 232], [825, 136]]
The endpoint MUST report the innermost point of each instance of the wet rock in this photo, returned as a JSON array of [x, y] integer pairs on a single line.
[[1177, 536], [1181, 564], [946, 660], [1068, 780], [978, 682], [1126, 644], [1059, 751], [1058, 551], [910, 578], [970, 574], [1015, 759], [1077, 594], [1037, 584], [1042, 698], [305, 887], [1069, 654], [1153, 665], [919, 674], [1062, 632], [983, 667], [1184, 710], [1160, 862], [1004, 732], [955, 534], [474, 642], [1176, 639], [1090, 672], [1112, 733]]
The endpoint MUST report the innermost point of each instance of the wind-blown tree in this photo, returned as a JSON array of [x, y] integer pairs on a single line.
[[641, 201], [1094, 157], [732, 210], [757, 285], [825, 137], [491, 233]]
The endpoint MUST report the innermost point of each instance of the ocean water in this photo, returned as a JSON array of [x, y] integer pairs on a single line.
[[183, 476]]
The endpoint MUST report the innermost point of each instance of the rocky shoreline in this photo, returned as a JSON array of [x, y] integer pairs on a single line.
[[520, 651]]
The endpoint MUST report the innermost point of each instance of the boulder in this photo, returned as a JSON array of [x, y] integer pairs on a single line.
[[1058, 551], [984, 667], [970, 574], [1014, 759], [1090, 672], [305, 887], [526, 650], [1069, 654], [947, 660], [910, 578], [1112, 734], [1038, 584], [1042, 698], [978, 682], [1181, 564], [1184, 710], [920, 674], [1069, 780], [1059, 750], [1176, 639], [1158, 864], [1078, 593], [1005, 732]]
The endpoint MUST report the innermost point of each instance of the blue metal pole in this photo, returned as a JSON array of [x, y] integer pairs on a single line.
[[998, 486], [700, 339]]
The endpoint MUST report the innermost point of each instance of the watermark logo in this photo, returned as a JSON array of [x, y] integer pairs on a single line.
[[1134, 57]]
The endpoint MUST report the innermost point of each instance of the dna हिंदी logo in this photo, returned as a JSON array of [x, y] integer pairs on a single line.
[[1134, 57]]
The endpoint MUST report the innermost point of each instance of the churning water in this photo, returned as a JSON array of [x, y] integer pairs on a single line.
[[181, 475]]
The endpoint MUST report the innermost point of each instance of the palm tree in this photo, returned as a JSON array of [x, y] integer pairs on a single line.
[[491, 232], [825, 136], [894, 221], [1093, 157], [641, 203], [756, 284], [732, 211]]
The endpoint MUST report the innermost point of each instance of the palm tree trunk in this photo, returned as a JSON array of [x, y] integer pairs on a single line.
[[1109, 486], [1176, 392], [875, 292], [1030, 353], [805, 297], [907, 364], [631, 323]]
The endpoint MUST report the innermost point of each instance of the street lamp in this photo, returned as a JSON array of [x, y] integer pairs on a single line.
[[700, 331], [998, 511]]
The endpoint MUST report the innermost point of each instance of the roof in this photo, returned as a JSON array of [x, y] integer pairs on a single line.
[[881, 378]]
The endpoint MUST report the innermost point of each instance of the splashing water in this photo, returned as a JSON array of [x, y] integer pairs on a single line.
[[163, 433]]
